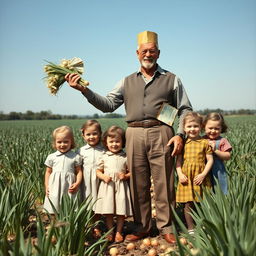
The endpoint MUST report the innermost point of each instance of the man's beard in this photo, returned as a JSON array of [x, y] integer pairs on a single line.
[[148, 65]]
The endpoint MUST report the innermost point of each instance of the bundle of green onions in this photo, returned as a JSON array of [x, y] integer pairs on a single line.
[[56, 73]]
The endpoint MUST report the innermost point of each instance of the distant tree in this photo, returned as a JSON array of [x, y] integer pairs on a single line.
[[113, 115], [29, 115], [3, 116], [95, 116], [45, 114], [14, 116]]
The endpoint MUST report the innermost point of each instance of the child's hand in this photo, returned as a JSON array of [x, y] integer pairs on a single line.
[[47, 191], [121, 175], [199, 179], [107, 178], [73, 188], [183, 179], [212, 145]]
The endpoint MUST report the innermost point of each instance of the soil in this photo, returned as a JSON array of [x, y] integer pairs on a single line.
[[139, 249]]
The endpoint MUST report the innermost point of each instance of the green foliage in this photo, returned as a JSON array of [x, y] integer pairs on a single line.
[[16, 202], [225, 224]]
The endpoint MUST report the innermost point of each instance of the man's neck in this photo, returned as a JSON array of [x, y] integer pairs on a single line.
[[148, 73]]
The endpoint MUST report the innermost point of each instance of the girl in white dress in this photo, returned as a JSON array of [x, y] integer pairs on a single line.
[[91, 153], [63, 173], [114, 194]]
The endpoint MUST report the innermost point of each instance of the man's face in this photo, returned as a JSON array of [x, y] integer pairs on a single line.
[[148, 54]]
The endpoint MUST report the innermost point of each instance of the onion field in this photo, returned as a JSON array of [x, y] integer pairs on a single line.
[[225, 225]]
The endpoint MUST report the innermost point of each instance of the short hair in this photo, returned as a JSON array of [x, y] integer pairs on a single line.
[[90, 123], [114, 132], [215, 116], [63, 129], [193, 116]]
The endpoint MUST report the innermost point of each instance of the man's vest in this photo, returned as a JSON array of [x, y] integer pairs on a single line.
[[144, 101]]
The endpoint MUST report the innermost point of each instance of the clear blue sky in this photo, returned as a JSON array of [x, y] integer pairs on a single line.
[[210, 45]]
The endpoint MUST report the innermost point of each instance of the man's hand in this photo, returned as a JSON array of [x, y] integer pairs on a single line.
[[73, 79], [177, 141]]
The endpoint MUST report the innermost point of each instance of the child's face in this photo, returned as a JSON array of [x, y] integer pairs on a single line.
[[91, 135], [114, 144], [192, 129], [213, 129], [63, 142]]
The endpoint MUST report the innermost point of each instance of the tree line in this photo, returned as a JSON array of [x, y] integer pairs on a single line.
[[48, 115]]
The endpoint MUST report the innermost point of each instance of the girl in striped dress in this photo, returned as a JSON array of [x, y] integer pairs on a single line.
[[193, 166]]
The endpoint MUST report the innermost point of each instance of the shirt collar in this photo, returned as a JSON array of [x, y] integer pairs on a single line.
[[197, 140], [121, 153], [58, 153], [158, 70], [87, 146]]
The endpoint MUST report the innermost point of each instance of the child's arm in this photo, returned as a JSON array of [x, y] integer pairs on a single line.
[[200, 177], [48, 172], [79, 176], [124, 176], [223, 155], [100, 174], [183, 179]]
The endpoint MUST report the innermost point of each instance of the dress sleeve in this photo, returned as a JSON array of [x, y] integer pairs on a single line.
[[208, 150], [49, 161], [78, 160], [100, 164], [225, 145]]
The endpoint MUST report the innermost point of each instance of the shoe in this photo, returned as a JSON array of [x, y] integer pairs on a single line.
[[135, 236], [119, 238], [170, 238], [110, 237]]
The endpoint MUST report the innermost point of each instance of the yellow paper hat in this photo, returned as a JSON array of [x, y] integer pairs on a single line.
[[147, 37]]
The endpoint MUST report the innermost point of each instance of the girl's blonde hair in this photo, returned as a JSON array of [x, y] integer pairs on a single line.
[[114, 132], [215, 116], [63, 129], [192, 116], [90, 123]]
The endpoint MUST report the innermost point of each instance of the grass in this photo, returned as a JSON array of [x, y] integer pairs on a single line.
[[225, 224]]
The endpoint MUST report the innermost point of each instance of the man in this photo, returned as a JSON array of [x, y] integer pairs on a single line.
[[148, 140]]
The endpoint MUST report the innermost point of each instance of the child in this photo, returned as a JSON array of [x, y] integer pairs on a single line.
[[114, 194], [91, 153], [63, 169], [193, 166], [214, 125]]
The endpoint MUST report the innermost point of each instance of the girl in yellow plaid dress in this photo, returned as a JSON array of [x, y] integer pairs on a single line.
[[193, 166]]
